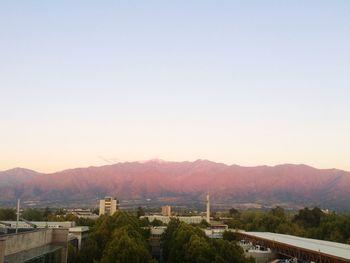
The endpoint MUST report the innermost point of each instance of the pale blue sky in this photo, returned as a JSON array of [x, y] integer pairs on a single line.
[[245, 82]]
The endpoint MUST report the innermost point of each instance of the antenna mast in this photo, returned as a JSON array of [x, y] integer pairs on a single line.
[[18, 202]]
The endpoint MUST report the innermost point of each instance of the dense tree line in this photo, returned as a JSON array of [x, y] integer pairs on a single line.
[[123, 238], [311, 223], [183, 243], [46, 214], [115, 239], [7, 214]]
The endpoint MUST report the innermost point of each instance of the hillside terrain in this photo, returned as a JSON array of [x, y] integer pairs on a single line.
[[183, 183]]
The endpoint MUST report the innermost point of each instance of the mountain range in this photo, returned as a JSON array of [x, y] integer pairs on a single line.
[[289, 185]]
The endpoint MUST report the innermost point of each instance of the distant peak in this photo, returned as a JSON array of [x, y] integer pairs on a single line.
[[20, 169], [154, 160], [203, 161], [288, 165]]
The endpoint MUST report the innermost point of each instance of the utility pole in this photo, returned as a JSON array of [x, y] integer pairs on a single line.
[[208, 207], [18, 201]]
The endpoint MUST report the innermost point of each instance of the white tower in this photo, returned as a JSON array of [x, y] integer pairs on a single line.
[[208, 208]]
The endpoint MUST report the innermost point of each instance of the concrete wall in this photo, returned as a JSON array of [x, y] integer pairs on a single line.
[[81, 233], [2, 250], [60, 237], [27, 240], [16, 243]]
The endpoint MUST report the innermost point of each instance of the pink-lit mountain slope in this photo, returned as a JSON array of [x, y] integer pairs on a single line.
[[16, 176], [186, 181]]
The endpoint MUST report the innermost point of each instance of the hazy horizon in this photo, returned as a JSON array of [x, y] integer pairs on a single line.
[[255, 83], [110, 162]]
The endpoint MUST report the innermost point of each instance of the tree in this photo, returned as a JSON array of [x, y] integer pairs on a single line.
[[81, 221], [144, 222], [183, 243], [116, 238], [229, 236], [60, 212], [89, 251], [7, 214], [309, 218], [235, 223], [227, 252], [72, 254], [126, 248], [273, 219], [46, 213], [198, 249], [167, 238], [156, 222], [334, 227], [278, 212], [32, 214], [233, 212], [140, 212], [204, 224]]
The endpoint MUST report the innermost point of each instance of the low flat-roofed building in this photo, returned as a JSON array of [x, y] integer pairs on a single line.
[[40, 224], [83, 213], [213, 233], [80, 233], [40, 245], [313, 249], [166, 219], [217, 225]]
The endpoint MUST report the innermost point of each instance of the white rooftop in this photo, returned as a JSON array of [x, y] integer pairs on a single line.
[[78, 229], [326, 247], [158, 230], [42, 224]]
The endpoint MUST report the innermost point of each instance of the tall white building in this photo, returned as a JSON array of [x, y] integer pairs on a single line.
[[166, 210], [108, 205]]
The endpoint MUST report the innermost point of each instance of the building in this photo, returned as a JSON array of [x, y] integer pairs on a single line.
[[155, 241], [216, 229], [108, 205], [166, 215], [39, 245], [166, 219], [83, 213], [304, 249], [166, 210], [37, 224], [76, 235], [80, 233]]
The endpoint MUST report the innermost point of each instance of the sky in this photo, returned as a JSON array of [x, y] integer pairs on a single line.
[[87, 83]]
